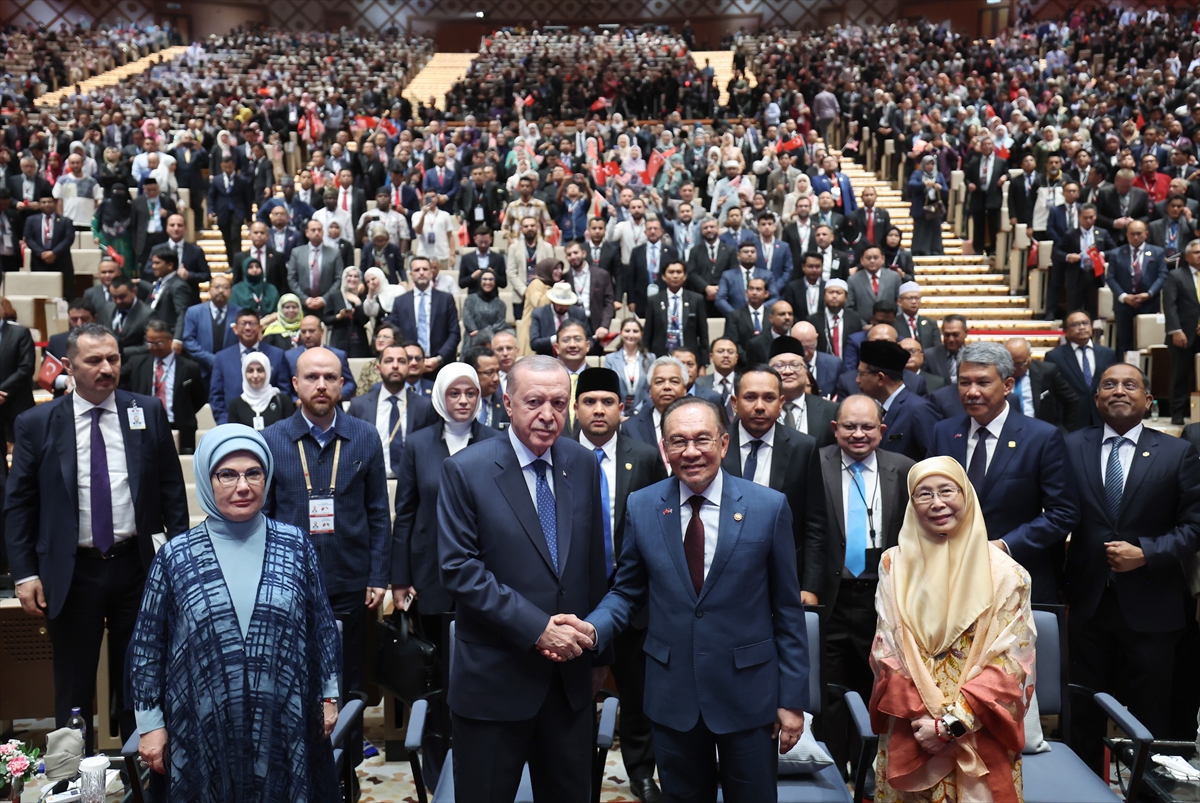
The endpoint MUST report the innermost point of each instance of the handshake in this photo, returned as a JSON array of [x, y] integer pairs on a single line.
[[566, 636]]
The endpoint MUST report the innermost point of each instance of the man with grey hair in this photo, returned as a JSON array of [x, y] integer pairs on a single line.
[[668, 382], [1016, 464], [514, 573]]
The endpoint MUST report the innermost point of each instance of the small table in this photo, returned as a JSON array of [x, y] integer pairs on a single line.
[[1157, 783]]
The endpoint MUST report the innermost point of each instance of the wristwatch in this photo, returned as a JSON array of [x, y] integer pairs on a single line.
[[953, 726]]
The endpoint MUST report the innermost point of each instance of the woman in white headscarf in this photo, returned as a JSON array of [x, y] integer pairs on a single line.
[[345, 316], [953, 651], [377, 303], [261, 404], [89, 164], [803, 189]]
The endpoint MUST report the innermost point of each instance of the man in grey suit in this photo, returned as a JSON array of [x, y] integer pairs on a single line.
[[872, 284], [314, 260], [99, 294], [910, 322]]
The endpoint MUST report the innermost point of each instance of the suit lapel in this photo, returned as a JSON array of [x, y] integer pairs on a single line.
[[1072, 367], [624, 474], [782, 451], [563, 509], [958, 443], [1006, 446], [890, 482], [669, 519], [511, 482], [1092, 482], [133, 443], [831, 472], [1144, 454], [64, 432], [733, 513]]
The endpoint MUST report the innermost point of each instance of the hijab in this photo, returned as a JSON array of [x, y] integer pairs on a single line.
[[282, 326], [116, 211], [929, 167], [889, 254], [455, 433], [943, 581], [495, 287], [351, 298], [544, 271], [384, 297], [217, 444], [258, 398]]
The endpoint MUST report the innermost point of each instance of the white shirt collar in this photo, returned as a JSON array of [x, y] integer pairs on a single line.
[[995, 426], [868, 462], [1133, 435], [609, 446], [712, 493], [524, 455], [887, 405], [82, 406], [745, 437]]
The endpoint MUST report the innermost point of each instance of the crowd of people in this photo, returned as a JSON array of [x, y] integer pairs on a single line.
[[859, 445]]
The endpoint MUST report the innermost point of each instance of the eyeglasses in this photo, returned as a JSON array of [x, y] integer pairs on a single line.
[[254, 477], [1080, 325], [787, 367], [704, 443], [1130, 385], [866, 429], [945, 494]]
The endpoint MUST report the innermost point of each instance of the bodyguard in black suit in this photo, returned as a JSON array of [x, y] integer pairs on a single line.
[[126, 317], [49, 237], [1040, 388], [510, 573], [1077, 330], [170, 297], [188, 393], [16, 373], [1022, 194], [85, 571], [627, 466], [229, 200], [675, 304], [1139, 503], [1182, 310]]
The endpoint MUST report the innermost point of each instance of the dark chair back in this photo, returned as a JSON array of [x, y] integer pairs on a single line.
[[1051, 664], [812, 624]]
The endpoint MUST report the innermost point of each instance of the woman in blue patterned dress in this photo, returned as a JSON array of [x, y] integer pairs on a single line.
[[235, 658]]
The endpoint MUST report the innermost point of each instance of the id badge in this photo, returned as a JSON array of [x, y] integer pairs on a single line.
[[259, 424], [320, 515], [431, 238], [137, 418], [478, 213]]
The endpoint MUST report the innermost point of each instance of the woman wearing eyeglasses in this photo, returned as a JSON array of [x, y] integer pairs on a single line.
[[235, 658], [953, 652]]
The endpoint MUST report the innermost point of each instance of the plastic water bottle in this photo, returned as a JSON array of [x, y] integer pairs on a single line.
[[77, 722], [1154, 410]]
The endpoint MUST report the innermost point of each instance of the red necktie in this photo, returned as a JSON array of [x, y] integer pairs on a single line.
[[396, 198], [875, 283], [837, 340], [160, 387], [871, 226], [344, 194], [912, 326]]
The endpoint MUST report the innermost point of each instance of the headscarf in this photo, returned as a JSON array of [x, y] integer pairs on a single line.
[[282, 326], [929, 167], [217, 444], [943, 581], [258, 398], [889, 254], [347, 295], [387, 293], [495, 287], [116, 211], [455, 433], [544, 270]]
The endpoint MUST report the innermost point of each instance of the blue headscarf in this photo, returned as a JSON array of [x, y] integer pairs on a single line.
[[215, 446]]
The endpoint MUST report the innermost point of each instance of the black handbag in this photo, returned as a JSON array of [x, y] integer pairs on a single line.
[[407, 663]]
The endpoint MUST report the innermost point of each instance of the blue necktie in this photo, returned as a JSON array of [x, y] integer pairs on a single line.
[[483, 412], [1114, 479], [396, 447], [102, 510], [751, 467], [856, 523], [423, 322], [609, 562], [1087, 368], [545, 510]]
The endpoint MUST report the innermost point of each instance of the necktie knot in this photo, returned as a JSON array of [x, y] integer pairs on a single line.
[[697, 502], [857, 468], [539, 468], [599, 450], [1117, 441]]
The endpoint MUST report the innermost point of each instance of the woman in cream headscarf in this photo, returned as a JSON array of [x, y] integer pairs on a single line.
[[803, 189], [953, 652]]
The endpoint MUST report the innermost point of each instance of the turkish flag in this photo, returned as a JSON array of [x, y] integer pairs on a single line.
[[1097, 262], [612, 169], [791, 145]]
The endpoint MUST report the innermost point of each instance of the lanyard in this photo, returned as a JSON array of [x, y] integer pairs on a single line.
[[870, 505], [395, 429], [337, 456]]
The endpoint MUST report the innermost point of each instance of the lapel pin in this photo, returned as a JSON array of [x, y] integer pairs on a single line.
[[737, 516], [1145, 454], [1012, 444], [667, 512], [629, 466], [564, 475], [958, 434]]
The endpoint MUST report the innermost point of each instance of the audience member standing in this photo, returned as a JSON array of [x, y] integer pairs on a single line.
[[16, 374]]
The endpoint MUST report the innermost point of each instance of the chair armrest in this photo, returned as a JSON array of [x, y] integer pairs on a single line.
[[608, 724], [416, 726], [130, 748], [859, 714], [1125, 720], [351, 712]]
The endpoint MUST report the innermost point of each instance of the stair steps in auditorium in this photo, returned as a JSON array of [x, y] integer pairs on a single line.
[[722, 64], [436, 78]]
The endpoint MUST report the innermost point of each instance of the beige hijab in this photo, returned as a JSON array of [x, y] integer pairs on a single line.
[[943, 581]]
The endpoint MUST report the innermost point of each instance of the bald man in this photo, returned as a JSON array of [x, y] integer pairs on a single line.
[[823, 369], [1136, 274], [1042, 391], [847, 384]]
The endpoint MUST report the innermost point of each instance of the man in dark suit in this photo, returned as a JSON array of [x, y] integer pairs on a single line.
[[284, 237], [1081, 362], [413, 411], [49, 237], [676, 317], [943, 360], [866, 497], [911, 323], [27, 190], [472, 263], [709, 260], [1063, 217], [800, 409], [273, 263], [296, 212], [594, 287], [193, 266], [1173, 232], [750, 320], [476, 203], [731, 292], [835, 262], [916, 366], [514, 693], [79, 312], [1182, 309], [261, 174], [823, 369], [99, 293], [316, 259], [312, 336], [126, 317], [626, 466], [543, 325], [1040, 389], [774, 255], [806, 294], [1120, 205], [1136, 274], [986, 175], [440, 180], [835, 323], [16, 374], [229, 200], [871, 222], [668, 382], [1071, 256], [428, 317], [208, 327], [701, 709], [908, 417], [647, 263], [83, 571], [1022, 194], [1018, 466], [148, 219], [1139, 515], [350, 199], [190, 160], [11, 231], [779, 321], [226, 383], [491, 398], [354, 549], [603, 254], [170, 378], [170, 296]]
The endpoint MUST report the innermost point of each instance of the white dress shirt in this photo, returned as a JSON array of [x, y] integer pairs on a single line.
[[1128, 449], [874, 501], [609, 467], [710, 516], [762, 472], [168, 364], [581, 280], [417, 294], [124, 521], [525, 459], [799, 415], [994, 428], [812, 297], [1086, 352], [1024, 391], [383, 418]]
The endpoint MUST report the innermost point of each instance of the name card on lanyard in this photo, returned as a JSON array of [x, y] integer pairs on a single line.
[[320, 508]]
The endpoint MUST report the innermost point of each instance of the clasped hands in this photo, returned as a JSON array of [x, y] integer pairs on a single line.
[[566, 637]]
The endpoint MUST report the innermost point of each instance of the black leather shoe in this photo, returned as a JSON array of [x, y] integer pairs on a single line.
[[646, 790]]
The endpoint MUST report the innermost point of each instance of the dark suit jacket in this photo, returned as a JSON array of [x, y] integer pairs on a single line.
[[883, 222], [829, 368], [226, 382], [444, 332], [758, 349], [1156, 234], [16, 182], [468, 263], [909, 421], [541, 327], [693, 324], [499, 416], [989, 197], [469, 196], [637, 277], [1028, 496], [188, 394], [1054, 400], [175, 297], [601, 302], [415, 528], [41, 508], [638, 466], [230, 204], [1108, 209], [893, 502], [349, 385], [739, 327], [62, 237], [140, 220], [131, 337], [852, 323], [16, 373], [1160, 513], [819, 413], [702, 272], [1120, 277], [1069, 244], [1020, 202], [1064, 357], [641, 426], [497, 568], [419, 411], [274, 266], [928, 334], [796, 294], [937, 361], [1180, 305]]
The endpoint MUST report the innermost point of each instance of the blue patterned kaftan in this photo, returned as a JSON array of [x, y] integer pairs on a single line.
[[244, 716]]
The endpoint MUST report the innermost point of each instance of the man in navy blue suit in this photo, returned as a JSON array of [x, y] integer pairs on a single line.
[[226, 384], [713, 558], [414, 410], [1082, 362], [85, 571], [773, 254], [441, 180], [427, 316], [908, 417], [512, 572], [229, 205], [1139, 500], [823, 368], [668, 382], [1136, 274], [731, 291], [1017, 465], [208, 327], [312, 336]]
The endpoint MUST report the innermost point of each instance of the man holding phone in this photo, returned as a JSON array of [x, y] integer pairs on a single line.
[[433, 232]]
